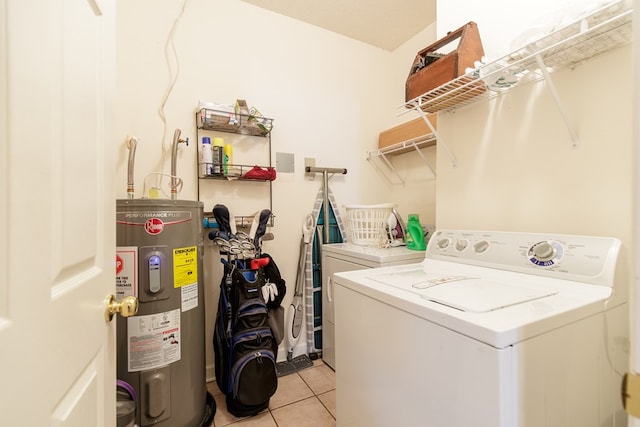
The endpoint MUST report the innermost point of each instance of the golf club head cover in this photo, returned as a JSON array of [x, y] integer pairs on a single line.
[[221, 214], [265, 214]]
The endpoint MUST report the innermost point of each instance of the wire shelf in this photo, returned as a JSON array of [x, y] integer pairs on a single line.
[[210, 119], [604, 30], [419, 142], [238, 172]]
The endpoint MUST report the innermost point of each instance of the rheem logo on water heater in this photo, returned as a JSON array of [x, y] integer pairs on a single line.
[[154, 226]]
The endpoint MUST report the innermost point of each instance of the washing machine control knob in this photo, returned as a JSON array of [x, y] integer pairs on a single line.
[[444, 243], [546, 253], [481, 246], [543, 251], [462, 244]]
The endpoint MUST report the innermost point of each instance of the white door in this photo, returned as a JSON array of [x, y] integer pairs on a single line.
[[57, 212], [634, 316], [634, 305]]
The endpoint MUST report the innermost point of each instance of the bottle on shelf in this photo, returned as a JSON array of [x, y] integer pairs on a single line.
[[415, 234], [228, 159], [206, 157], [218, 155]]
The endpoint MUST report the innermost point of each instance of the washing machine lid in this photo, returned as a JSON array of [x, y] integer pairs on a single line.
[[480, 296], [465, 293]]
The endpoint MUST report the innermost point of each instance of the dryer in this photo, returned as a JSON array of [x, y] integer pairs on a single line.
[[339, 257], [490, 329]]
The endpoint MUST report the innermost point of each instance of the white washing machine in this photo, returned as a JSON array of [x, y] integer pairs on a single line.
[[338, 257], [492, 329]]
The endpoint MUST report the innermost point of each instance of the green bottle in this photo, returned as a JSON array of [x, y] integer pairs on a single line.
[[415, 235]]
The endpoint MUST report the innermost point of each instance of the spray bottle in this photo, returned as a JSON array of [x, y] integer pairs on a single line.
[[206, 157], [415, 235]]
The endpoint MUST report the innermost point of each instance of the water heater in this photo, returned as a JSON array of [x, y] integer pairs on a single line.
[[161, 350]]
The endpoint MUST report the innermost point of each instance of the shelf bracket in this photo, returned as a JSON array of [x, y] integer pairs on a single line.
[[390, 166], [575, 141], [406, 144], [441, 143], [415, 146]]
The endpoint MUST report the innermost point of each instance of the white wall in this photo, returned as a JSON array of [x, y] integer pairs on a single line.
[[504, 23], [330, 96]]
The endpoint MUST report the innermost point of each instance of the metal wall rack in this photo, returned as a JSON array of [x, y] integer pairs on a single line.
[[215, 120], [605, 29]]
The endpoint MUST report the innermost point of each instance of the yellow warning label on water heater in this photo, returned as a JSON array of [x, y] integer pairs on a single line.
[[185, 266]]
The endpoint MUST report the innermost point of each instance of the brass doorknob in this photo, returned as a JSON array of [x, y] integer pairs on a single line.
[[127, 307]]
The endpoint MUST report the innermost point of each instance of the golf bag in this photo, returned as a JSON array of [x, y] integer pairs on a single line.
[[244, 346]]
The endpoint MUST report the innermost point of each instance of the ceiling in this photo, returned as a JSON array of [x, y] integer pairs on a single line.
[[383, 23]]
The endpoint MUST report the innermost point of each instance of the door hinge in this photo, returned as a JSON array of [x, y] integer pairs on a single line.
[[631, 394]]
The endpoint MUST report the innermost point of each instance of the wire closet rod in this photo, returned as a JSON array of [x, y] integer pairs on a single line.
[[325, 193]]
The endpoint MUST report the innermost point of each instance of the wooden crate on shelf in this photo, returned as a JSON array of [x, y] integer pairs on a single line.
[[413, 130], [431, 69]]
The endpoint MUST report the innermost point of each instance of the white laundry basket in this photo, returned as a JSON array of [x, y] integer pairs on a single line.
[[367, 223]]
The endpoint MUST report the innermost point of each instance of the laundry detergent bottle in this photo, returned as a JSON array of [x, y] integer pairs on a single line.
[[415, 235]]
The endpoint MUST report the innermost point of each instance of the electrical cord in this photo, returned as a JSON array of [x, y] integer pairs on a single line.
[[178, 188], [173, 79], [606, 344], [606, 332]]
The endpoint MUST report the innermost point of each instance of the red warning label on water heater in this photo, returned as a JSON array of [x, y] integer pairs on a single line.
[[154, 226], [126, 271], [119, 264]]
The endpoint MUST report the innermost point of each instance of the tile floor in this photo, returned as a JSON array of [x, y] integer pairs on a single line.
[[306, 398]]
